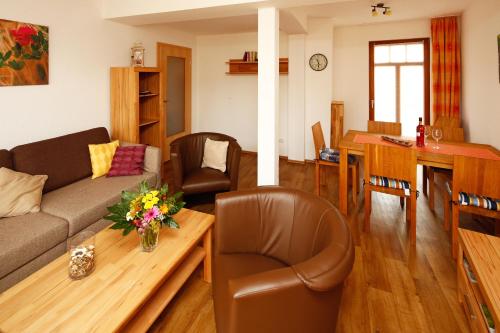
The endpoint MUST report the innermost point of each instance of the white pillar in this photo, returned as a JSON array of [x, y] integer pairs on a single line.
[[268, 97], [296, 97]]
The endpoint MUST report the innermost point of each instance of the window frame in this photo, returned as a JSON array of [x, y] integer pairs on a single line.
[[426, 64]]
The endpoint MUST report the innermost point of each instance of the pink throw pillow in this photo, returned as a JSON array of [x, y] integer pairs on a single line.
[[127, 161]]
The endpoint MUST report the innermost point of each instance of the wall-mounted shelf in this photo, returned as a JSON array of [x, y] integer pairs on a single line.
[[241, 67]]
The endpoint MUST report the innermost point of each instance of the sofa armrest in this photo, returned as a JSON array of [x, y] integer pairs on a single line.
[[152, 160], [333, 264], [177, 167], [233, 163]]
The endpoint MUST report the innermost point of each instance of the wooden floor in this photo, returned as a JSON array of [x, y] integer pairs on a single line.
[[392, 288]]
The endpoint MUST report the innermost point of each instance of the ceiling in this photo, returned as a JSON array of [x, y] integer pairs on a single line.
[[342, 13]]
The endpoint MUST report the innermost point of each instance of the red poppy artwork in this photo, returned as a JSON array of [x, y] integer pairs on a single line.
[[24, 54]]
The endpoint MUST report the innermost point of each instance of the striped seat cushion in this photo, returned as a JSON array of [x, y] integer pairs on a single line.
[[389, 182], [468, 199], [333, 155]]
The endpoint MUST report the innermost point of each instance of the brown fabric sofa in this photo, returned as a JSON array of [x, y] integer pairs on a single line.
[[280, 259], [72, 202], [186, 156]]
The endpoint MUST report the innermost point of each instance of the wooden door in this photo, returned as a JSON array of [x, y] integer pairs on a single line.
[[175, 64]]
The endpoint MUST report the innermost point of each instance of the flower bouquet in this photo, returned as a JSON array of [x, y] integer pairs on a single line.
[[146, 211]]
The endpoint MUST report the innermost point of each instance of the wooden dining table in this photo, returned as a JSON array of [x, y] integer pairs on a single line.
[[353, 143]]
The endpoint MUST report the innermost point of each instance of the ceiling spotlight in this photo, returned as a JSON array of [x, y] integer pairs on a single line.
[[386, 9]]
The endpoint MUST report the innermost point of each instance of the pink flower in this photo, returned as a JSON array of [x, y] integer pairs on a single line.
[[151, 214]]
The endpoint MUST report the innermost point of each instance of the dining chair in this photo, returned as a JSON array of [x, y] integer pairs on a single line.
[[384, 127], [331, 158], [443, 121], [391, 170], [450, 134], [387, 128], [474, 190]]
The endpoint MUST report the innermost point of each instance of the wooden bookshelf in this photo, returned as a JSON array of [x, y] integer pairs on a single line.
[[137, 117], [241, 67], [478, 274]]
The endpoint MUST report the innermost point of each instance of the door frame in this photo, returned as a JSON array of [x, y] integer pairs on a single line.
[[181, 52], [427, 80]]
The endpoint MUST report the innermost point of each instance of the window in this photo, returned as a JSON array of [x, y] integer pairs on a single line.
[[399, 82]]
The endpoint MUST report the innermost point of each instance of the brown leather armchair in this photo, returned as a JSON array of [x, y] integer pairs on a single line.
[[186, 155], [280, 259]]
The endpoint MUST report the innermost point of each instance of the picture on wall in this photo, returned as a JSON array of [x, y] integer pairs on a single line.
[[24, 54]]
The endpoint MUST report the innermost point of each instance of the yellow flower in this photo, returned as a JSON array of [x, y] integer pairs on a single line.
[[155, 200], [147, 198], [154, 193], [164, 209], [149, 205]]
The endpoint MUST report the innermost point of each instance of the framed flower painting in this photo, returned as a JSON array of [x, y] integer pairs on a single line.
[[24, 54]]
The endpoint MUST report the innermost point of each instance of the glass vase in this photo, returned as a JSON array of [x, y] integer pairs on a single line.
[[81, 249], [149, 239]]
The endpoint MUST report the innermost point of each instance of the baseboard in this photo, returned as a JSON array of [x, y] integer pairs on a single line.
[[284, 158]]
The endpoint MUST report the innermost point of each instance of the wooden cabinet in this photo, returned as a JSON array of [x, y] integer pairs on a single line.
[[239, 66], [137, 114], [478, 280], [337, 123]]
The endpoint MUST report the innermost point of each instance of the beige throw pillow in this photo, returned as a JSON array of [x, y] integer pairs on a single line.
[[215, 155], [20, 193]]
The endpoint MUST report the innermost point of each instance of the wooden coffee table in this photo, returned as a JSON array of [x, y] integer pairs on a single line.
[[127, 290]]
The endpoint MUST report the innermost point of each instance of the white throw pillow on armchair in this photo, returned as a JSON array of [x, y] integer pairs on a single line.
[[215, 154]]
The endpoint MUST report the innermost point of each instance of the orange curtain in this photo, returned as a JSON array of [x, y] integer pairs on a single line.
[[446, 67]]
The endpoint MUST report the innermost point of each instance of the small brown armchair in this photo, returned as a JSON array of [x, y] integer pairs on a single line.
[[186, 156], [280, 260]]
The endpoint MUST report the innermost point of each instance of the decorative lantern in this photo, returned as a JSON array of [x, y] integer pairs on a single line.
[[137, 55]]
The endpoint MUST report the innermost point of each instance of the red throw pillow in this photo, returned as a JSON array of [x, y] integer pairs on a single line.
[[127, 161]]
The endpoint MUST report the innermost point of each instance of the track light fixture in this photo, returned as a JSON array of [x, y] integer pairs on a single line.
[[386, 9]]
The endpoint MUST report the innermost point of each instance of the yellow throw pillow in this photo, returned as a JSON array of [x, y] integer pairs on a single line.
[[101, 157], [20, 193]]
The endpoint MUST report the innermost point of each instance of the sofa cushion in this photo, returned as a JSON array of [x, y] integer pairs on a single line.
[[101, 156], [215, 155], [6, 159], [23, 238], [84, 202], [64, 159], [21, 193], [205, 180], [127, 161]]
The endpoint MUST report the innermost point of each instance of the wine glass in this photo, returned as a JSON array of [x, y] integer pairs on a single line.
[[437, 134], [427, 132]]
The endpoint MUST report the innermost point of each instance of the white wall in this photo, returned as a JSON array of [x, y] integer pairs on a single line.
[[228, 103], [296, 96], [318, 84], [481, 87], [350, 63], [82, 48]]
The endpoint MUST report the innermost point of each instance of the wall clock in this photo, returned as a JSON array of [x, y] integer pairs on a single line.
[[318, 62]]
